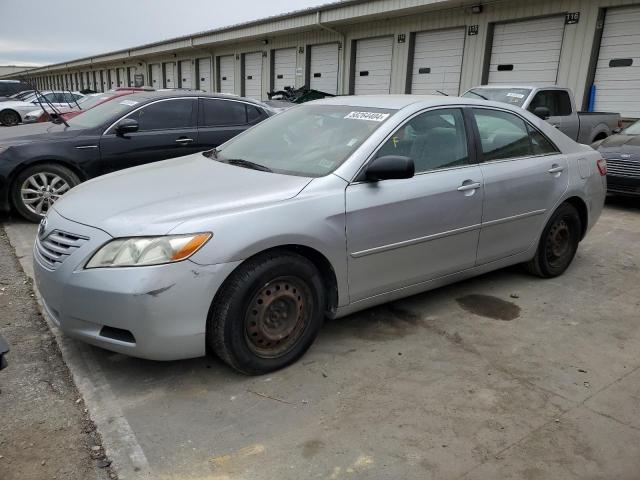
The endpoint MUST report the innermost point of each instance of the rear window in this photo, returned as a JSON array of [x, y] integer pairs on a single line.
[[512, 96]]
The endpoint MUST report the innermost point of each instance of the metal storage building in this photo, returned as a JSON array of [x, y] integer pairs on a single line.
[[395, 46]]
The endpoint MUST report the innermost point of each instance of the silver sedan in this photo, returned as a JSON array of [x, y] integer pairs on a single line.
[[323, 210]]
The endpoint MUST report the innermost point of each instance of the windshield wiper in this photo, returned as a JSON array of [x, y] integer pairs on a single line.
[[247, 164], [213, 153], [478, 95]]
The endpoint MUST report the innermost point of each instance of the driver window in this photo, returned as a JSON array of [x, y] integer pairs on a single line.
[[434, 140]]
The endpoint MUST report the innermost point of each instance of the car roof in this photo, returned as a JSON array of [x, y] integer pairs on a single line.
[[155, 95], [398, 102]]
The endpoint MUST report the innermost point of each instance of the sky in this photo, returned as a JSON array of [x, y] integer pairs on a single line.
[[40, 32]]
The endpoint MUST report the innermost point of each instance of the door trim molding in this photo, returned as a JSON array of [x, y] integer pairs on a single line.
[[414, 241]]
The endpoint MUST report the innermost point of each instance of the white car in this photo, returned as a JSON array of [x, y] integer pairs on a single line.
[[15, 112]]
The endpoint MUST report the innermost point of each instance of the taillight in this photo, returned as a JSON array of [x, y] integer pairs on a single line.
[[602, 166]]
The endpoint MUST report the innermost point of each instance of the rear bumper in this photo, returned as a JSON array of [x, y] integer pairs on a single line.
[[157, 312], [629, 186]]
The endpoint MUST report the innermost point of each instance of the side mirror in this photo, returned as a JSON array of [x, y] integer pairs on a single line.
[[542, 112], [128, 125], [390, 167]]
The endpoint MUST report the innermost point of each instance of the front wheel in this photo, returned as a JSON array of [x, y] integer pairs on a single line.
[[37, 188], [267, 313], [558, 243]]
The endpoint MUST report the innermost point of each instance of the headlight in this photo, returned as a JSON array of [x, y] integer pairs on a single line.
[[139, 251]]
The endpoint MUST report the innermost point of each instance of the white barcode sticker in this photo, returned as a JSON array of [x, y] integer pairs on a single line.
[[129, 103], [515, 95], [371, 116]]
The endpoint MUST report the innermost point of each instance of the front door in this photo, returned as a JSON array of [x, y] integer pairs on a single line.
[[524, 178], [403, 232], [167, 130]]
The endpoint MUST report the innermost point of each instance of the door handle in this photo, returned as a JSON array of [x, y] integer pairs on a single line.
[[468, 185], [555, 169], [184, 141]]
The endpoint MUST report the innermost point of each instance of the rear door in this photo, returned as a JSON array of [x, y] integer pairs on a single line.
[[167, 129], [404, 232], [221, 119], [524, 174]]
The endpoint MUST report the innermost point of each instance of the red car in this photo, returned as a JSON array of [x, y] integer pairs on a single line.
[[89, 102]]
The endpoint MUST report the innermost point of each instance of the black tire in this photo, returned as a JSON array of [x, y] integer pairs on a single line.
[[48, 169], [9, 118], [274, 282], [558, 243]]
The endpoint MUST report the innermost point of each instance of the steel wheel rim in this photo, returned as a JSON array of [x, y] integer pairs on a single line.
[[39, 191], [558, 242], [277, 316]]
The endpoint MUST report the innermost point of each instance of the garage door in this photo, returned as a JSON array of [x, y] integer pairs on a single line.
[[253, 75], [373, 66], [323, 70], [284, 68], [204, 74], [156, 71], [617, 77], [437, 62], [104, 80], [131, 76], [170, 75], [122, 77], [186, 74], [526, 52], [226, 74], [113, 78]]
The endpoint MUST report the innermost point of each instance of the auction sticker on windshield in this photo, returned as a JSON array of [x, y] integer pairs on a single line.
[[371, 116], [129, 103]]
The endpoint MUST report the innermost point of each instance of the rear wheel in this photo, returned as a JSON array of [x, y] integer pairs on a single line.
[[558, 243], [37, 188], [9, 118], [267, 313]]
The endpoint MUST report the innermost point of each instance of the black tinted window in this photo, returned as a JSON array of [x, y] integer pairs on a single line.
[[502, 135], [165, 115], [221, 113], [254, 114], [434, 140], [557, 101]]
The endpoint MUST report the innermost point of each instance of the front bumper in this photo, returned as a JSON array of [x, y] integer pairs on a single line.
[[623, 185], [156, 312]]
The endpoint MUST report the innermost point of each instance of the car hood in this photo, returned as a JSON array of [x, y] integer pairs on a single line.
[[34, 132], [154, 199], [621, 143]]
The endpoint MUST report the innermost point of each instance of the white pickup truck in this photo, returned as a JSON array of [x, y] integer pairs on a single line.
[[556, 106]]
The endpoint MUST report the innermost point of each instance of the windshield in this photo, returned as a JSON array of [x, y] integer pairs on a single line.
[[308, 140], [512, 96], [91, 101], [102, 114], [633, 129]]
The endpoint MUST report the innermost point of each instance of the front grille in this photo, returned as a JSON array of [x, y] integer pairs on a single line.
[[623, 168], [57, 246], [618, 188]]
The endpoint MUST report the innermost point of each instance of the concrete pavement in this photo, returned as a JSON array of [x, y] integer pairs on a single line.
[[502, 376]]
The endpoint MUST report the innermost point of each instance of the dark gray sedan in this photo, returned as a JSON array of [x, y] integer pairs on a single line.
[[622, 153]]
